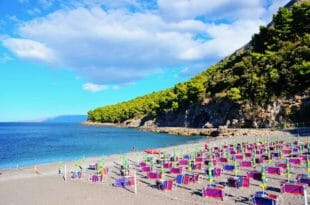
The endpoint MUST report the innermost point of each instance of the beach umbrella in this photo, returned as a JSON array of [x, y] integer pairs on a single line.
[[210, 170], [76, 165], [243, 155], [152, 163], [254, 159], [228, 154], [174, 154], [162, 172], [268, 154], [308, 165], [264, 180], [301, 147], [280, 152], [235, 166], [288, 170]]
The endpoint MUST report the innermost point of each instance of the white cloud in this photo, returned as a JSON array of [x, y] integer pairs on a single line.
[[117, 46], [94, 87], [29, 49]]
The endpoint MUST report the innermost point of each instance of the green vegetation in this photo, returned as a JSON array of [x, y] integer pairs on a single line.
[[277, 65]]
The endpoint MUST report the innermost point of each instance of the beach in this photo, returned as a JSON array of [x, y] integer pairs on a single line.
[[42, 184]]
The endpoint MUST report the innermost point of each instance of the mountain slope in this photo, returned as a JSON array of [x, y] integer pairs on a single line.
[[253, 87]]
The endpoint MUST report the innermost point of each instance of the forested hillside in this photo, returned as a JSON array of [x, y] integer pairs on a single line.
[[275, 66]]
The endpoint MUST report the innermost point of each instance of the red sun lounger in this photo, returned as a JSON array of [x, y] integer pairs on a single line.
[[214, 192], [274, 170], [297, 189]]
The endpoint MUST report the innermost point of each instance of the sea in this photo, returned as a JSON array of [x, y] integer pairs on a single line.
[[23, 144]]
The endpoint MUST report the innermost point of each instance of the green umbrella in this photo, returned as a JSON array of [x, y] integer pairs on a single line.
[[308, 165], [235, 166], [162, 172], [189, 167], [174, 154], [152, 163], [210, 169], [280, 152], [288, 169], [264, 180], [269, 155], [301, 147], [228, 154], [254, 159]]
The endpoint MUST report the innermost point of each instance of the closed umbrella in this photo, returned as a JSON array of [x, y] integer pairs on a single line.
[[235, 166], [264, 180], [288, 169], [210, 170], [308, 165]]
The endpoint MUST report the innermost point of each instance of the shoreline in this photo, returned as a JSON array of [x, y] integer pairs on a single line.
[[223, 131]]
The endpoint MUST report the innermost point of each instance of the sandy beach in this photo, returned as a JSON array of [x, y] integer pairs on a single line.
[[24, 186]]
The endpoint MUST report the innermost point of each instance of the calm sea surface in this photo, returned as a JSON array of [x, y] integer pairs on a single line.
[[24, 144]]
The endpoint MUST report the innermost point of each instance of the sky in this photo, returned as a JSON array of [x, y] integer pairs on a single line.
[[68, 57]]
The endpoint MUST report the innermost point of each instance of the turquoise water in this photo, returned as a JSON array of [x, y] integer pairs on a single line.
[[24, 144]]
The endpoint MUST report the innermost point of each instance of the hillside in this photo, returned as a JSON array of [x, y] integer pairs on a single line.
[[265, 85]]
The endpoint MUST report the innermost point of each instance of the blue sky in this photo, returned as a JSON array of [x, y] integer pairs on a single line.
[[67, 58]]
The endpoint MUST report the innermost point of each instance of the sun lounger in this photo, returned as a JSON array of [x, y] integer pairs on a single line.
[[167, 165], [164, 185], [286, 151], [217, 172], [281, 165], [245, 164], [228, 167], [214, 191], [179, 179], [176, 170], [293, 188], [223, 160], [93, 166], [274, 170], [186, 179], [233, 182], [146, 169], [183, 162], [95, 178], [239, 157], [125, 181], [275, 154], [248, 154], [261, 198], [76, 174], [153, 175], [198, 159], [198, 166], [255, 175], [188, 157], [295, 161], [244, 181], [259, 160], [303, 179], [213, 162]]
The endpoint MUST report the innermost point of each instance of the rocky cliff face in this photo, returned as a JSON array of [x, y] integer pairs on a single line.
[[211, 114]]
